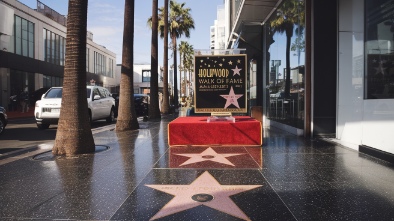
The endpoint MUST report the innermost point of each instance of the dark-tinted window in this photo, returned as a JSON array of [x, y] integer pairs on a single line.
[[24, 37], [54, 93], [146, 75], [379, 49]]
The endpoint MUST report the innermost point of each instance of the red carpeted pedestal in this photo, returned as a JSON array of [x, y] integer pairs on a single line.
[[197, 131]]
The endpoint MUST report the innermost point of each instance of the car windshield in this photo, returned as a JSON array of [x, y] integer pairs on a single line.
[[57, 93], [54, 93]]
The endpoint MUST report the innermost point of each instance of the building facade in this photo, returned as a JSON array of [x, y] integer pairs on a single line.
[[218, 32], [323, 68], [141, 78], [32, 54]]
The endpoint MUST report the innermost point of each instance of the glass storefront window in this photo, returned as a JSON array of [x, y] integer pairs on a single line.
[[146, 75], [51, 81], [54, 47], [379, 49], [24, 37], [285, 64], [99, 63]]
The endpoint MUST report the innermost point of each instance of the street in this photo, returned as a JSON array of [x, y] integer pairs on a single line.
[[22, 133]]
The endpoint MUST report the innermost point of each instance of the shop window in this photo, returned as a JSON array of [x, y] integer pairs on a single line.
[[285, 70], [24, 37], [146, 75], [54, 47], [100, 63], [379, 49]]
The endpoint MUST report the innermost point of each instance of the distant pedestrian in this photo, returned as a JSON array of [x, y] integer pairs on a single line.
[[13, 105], [24, 101]]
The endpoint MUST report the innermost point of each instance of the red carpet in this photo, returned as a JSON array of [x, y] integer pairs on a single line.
[[196, 131]]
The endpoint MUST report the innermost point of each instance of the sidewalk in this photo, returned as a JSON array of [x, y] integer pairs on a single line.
[[19, 114], [135, 176]]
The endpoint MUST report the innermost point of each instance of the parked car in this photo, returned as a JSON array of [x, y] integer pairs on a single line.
[[101, 105], [3, 119], [141, 103]]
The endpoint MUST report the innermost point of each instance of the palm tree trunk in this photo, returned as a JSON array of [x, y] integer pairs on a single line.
[[154, 110], [166, 100], [176, 102], [74, 134], [185, 78], [180, 70], [127, 117]]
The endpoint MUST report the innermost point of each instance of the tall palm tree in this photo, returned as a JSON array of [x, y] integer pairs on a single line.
[[127, 117], [186, 53], [189, 65], [288, 15], [166, 98], [74, 135], [182, 50], [154, 110], [180, 23]]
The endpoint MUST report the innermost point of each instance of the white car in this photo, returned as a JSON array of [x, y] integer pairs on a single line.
[[101, 105]]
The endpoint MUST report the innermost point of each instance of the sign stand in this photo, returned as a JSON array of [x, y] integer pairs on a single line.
[[221, 116]]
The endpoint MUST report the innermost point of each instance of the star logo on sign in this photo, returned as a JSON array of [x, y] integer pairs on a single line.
[[205, 190], [208, 155], [236, 70], [231, 98]]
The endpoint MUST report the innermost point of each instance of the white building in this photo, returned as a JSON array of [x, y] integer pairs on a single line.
[[33, 51], [218, 35], [141, 78]]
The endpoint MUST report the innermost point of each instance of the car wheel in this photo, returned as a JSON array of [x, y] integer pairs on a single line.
[[111, 117], [43, 126], [2, 125]]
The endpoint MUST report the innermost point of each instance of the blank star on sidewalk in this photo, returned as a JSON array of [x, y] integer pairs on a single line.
[[232, 98], [208, 154], [205, 190]]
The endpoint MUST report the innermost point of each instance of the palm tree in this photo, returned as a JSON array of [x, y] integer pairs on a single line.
[[154, 110], [127, 117], [288, 15], [186, 52], [189, 65], [74, 135], [180, 23], [166, 101], [182, 50]]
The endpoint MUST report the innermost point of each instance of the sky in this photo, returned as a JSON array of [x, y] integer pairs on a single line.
[[105, 20]]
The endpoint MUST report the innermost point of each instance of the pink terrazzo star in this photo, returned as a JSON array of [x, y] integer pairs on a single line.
[[205, 190], [208, 155]]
